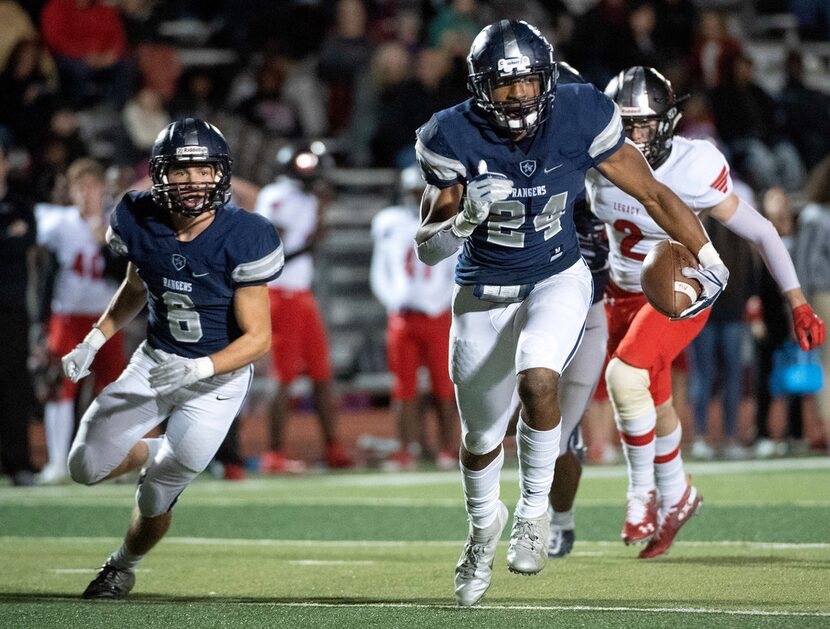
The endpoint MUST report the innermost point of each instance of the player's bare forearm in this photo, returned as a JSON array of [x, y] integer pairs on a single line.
[[253, 314], [439, 207], [627, 169], [795, 298], [127, 302]]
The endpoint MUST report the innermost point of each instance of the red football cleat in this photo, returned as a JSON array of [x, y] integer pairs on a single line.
[[400, 461], [337, 457], [675, 518], [275, 462], [640, 517]]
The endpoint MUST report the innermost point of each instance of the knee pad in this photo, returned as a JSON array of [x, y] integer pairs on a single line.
[[628, 390], [481, 442], [81, 465], [160, 488]]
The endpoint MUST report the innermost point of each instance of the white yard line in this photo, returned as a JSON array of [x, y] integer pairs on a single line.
[[566, 608], [217, 541]]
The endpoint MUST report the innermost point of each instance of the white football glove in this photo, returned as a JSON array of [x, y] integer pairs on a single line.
[[483, 190], [177, 372], [712, 277], [76, 363]]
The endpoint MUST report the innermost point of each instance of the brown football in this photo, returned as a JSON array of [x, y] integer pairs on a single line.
[[665, 287]]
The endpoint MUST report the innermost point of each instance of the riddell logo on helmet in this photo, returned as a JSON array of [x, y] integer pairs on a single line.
[[514, 64], [192, 151]]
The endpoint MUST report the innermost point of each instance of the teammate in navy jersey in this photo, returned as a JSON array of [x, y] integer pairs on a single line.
[[201, 266], [504, 169]]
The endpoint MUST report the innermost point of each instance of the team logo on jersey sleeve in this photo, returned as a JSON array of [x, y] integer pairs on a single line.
[[179, 261], [528, 167]]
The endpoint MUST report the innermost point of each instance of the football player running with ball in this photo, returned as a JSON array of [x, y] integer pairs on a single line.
[[504, 169], [642, 342], [201, 266]]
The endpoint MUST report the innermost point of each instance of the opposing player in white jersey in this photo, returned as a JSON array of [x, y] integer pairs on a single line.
[[75, 236], [417, 298], [643, 343], [201, 266], [299, 343], [504, 169]]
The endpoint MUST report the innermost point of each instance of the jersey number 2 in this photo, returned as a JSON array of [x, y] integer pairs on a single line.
[[184, 322], [634, 235], [507, 217]]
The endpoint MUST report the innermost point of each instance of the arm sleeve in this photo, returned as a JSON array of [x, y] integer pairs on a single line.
[[747, 223], [439, 163], [257, 256], [606, 133]]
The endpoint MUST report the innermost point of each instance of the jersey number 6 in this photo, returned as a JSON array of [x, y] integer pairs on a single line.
[[182, 317]]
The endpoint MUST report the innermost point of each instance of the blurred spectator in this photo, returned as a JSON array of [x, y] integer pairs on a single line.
[[88, 41], [17, 26], [636, 43], [417, 299], [812, 258], [83, 288], [716, 352], [806, 113], [62, 146], [17, 235], [344, 55], [675, 30], [295, 204], [29, 95], [144, 117], [748, 122], [196, 95], [458, 18], [408, 105], [714, 50], [771, 330], [389, 68], [267, 109], [813, 18], [601, 25], [698, 121]]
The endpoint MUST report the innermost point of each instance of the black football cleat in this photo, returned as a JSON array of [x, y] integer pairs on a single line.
[[110, 583]]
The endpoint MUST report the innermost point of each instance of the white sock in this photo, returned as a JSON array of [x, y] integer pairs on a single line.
[[668, 465], [123, 559], [153, 445], [537, 451], [481, 492], [59, 423], [637, 438], [563, 519]]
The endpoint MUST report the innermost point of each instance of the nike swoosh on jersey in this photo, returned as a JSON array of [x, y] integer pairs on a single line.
[[223, 397], [548, 170], [201, 274]]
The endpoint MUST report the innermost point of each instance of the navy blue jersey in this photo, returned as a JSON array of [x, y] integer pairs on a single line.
[[190, 285], [530, 236]]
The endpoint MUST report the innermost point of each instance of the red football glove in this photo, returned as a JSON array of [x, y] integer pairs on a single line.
[[809, 328]]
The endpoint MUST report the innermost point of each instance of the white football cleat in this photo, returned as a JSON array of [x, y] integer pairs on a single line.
[[475, 566], [528, 550]]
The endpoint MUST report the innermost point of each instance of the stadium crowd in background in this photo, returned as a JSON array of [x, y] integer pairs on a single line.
[[99, 79]]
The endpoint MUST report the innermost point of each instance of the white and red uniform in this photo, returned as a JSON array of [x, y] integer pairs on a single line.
[[640, 336], [81, 293], [417, 298], [298, 344]]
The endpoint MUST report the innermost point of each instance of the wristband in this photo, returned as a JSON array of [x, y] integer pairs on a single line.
[[204, 367], [707, 255], [95, 339]]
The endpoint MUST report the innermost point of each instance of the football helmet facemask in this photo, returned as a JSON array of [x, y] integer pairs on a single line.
[[647, 103], [190, 142], [505, 52]]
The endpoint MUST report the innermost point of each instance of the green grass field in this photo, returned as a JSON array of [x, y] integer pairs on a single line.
[[375, 550]]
